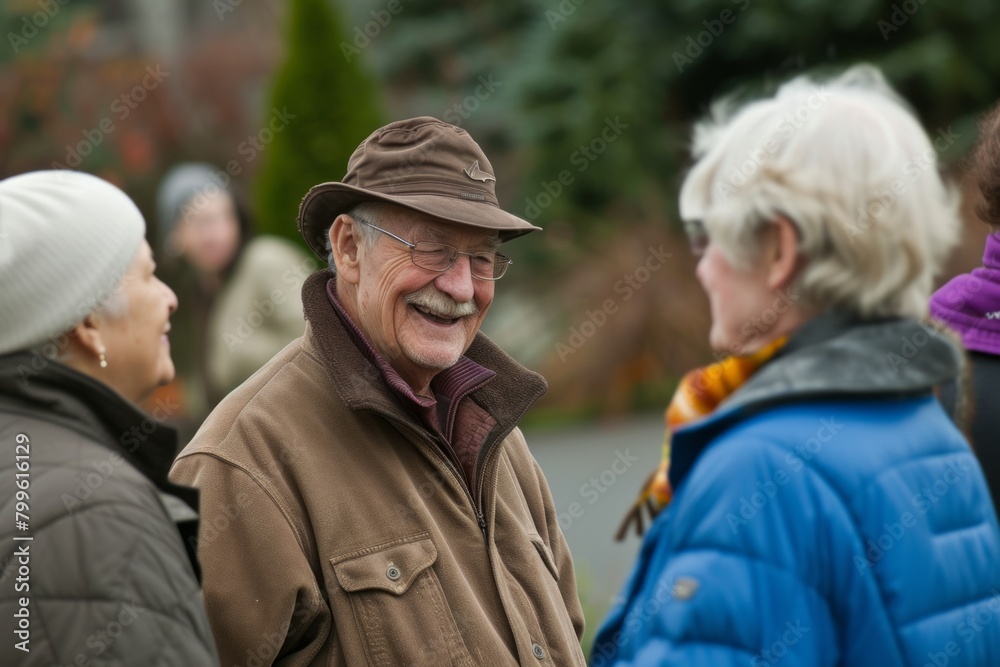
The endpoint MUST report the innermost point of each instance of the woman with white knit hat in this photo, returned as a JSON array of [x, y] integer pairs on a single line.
[[83, 339]]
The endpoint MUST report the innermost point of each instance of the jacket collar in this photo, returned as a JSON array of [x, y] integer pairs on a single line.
[[42, 388], [835, 356], [362, 386]]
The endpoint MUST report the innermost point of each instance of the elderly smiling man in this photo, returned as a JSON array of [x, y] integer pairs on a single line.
[[367, 496]]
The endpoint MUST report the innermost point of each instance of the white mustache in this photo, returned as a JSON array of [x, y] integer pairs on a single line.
[[440, 304]]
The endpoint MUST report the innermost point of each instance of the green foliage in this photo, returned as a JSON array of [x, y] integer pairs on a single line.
[[569, 65], [661, 64], [590, 114], [334, 105]]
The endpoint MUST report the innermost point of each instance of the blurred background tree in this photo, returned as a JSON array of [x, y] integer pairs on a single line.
[[659, 65], [335, 106]]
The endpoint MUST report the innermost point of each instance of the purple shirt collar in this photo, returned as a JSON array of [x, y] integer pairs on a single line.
[[452, 384], [970, 303]]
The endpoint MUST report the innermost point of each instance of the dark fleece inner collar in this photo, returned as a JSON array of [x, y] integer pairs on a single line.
[[362, 385]]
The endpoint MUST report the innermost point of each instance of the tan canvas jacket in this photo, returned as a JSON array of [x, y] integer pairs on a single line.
[[335, 531]]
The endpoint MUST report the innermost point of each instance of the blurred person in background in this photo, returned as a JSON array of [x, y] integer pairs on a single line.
[[369, 497], [83, 342], [820, 507], [241, 292], [970, 304]]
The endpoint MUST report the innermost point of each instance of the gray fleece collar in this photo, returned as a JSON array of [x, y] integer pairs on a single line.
[[835, 355]]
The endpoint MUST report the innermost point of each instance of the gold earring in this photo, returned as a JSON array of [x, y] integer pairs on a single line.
[[104, 361]]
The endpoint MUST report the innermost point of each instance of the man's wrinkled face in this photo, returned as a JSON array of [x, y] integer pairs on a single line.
[[421, 321]]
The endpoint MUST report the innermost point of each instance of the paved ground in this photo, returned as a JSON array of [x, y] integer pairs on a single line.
[[594, 472]]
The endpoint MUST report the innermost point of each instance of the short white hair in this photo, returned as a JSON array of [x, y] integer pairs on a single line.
[[372, 212], [848, 163]]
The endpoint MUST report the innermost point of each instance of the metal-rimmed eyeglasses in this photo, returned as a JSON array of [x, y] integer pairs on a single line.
[[439, 257]]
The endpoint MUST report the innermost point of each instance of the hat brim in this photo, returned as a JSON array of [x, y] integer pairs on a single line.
[[324, 202]]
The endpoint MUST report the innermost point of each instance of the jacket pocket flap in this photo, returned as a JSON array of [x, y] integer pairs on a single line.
[[391, 569]]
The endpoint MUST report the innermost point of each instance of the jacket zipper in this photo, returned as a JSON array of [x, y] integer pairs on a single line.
[[456, 473], [481, 479], [481, 461]]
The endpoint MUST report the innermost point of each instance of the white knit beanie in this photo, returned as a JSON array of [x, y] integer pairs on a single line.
[[66, 240]]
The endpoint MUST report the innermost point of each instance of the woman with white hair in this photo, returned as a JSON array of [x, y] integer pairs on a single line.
[[818, 506], [93, 527]]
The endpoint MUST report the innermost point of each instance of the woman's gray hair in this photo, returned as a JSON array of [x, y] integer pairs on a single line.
[[849, 165], [373, 213], [111, 304], [115, 306]]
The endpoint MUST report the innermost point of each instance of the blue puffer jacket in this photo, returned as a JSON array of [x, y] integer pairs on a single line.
[[827, 514]]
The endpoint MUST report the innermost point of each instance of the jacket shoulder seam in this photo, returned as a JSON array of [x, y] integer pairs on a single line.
[[271, 495]]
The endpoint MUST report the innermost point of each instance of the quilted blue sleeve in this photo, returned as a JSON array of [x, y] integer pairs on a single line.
[[727, 578]]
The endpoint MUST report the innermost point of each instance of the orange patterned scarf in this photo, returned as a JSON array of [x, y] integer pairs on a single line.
[[698, 394]]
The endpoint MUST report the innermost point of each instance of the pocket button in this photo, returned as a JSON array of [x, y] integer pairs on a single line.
[[392, 572], [539, 652]]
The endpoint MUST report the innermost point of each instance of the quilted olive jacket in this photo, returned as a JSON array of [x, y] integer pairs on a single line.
[[106, 576]]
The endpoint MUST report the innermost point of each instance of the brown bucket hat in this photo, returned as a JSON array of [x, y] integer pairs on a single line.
[[422, 164]]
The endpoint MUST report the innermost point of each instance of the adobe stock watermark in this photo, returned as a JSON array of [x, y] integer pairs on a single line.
[[581, 158], [796, 459], [248, 149], [911, 345], [773, 654], [271, 643], [121, 107], [363, 35], [637, 617], [759, 325], [38, 21], [460, 111], [597, 486], [971, 625], [88, 482], [713, 30], [420, 493], [562, 12], [454, 114], [266, 651], [750, 332], [55, 345], [875, 548], [627, 286], [223, 7], [104, 638], [956, 299], [783, 130], [9, 567], [261, 311], [880, 202], [224, 516], [900, 14]]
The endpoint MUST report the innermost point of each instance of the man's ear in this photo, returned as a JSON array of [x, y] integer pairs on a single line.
[[345, 246], [782, 253]]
